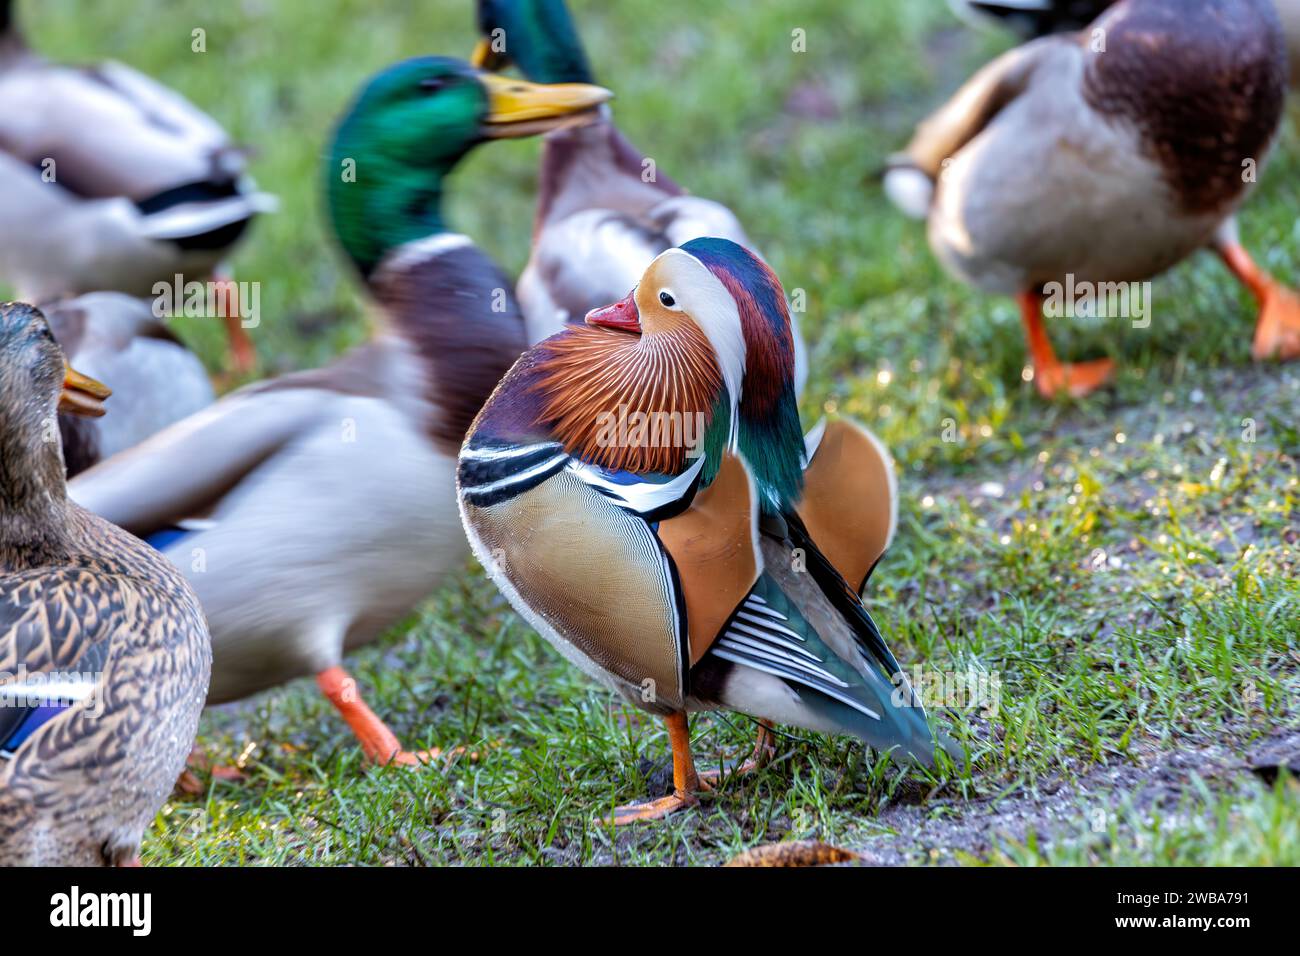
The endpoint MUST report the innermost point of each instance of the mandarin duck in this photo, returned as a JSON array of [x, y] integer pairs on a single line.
[[110, 181], [640, 491], [313, 511], [1128, 161], [104, 653], [600, 218]]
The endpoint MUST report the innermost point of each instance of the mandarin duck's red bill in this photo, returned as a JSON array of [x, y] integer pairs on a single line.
[[640, 490]]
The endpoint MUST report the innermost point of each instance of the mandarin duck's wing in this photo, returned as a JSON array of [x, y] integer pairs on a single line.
[[850, 497], [802, 650]]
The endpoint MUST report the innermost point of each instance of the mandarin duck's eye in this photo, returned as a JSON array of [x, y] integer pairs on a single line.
[[667, 299]]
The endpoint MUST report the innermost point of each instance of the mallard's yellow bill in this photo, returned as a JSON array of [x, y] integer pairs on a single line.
[[519, 108], [81, 394]]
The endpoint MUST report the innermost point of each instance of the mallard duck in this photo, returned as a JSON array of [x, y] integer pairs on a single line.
[[1032, 18], [601, 216], [640, 491], [1130, 160], [313, 511], [156, 379], [110, 181], [1038, 18], [104, 654]]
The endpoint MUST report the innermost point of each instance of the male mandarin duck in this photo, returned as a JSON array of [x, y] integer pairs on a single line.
[[707, 556], [156, 379], [312, 512], [1129, 161], [104, 653], [600, 217], [109, 181]]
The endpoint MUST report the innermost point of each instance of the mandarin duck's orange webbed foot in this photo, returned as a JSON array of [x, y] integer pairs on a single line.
[[685, 781], [764, 751]]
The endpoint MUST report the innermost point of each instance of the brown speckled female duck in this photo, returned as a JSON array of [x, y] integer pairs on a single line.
[[1062, 159], [104, 652]]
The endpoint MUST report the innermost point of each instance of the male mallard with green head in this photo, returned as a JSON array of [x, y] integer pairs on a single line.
[[109, 181], [1106, 156], [104, 653], [640, 490], [314, 511], [600, 218]]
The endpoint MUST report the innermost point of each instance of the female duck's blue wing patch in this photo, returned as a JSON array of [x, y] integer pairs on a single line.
[[41, 679]]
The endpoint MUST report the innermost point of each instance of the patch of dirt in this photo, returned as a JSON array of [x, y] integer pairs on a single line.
[[939, 829]]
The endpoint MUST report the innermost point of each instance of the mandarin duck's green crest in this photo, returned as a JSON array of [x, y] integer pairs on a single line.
[[407, 130], [538, 36]]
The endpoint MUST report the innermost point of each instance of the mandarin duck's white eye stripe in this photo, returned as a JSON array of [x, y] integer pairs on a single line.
[[699, 292]]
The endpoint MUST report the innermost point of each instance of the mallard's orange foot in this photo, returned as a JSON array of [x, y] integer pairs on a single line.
[[1076, 379], [1277, 335], [653, 809]]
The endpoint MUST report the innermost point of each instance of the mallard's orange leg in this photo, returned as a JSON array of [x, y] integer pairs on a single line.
[[1052, 376], [685, 780], [379, 744], [764, 750], [243, 357], [1277, 332]]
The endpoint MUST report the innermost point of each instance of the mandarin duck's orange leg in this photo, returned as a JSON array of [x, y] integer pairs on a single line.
[[764, 750], [1051, 375], [243, 357], [1277, 332], [685, 780], [379, 744]]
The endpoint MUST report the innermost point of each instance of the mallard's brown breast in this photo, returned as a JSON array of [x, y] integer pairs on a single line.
[[1203, 82]]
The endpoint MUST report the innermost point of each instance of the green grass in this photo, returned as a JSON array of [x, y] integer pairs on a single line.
[[1137, 597]]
